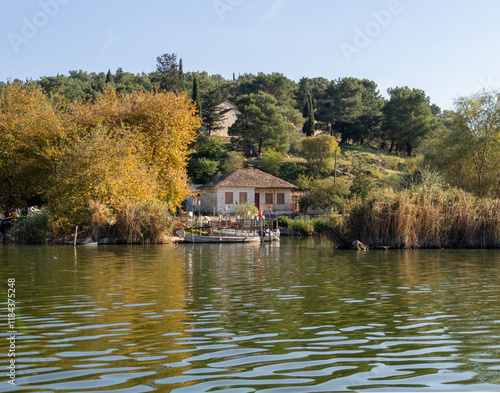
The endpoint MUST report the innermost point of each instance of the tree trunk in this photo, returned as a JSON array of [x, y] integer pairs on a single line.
[[392, 146], [259, 149], [409, 149]]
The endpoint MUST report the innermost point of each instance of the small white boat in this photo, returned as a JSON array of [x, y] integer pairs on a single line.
[[227, 236], [220, 239], [90, 244]]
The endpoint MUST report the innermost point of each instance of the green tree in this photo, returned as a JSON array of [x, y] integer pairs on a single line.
[[319, 152], [212, 117], [196, 97], [327, 194], [467, 150], [109, 77], [308, 113], [303, 89], [167, 72], [205, 160], [182, 77], [235, 160], [352, 107], [271, 161], [277, 85], [261, 123], [203, 168], [408, 118]]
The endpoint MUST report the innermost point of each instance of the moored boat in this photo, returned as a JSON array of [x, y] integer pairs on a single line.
[[225, 237], [220, 239]]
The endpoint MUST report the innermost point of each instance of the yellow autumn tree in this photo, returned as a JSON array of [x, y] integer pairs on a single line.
[[124, 149], [167, 123], [100, 168], [31, 135], [115, 151]]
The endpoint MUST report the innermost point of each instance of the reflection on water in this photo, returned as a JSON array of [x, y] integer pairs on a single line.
[[295, 317]]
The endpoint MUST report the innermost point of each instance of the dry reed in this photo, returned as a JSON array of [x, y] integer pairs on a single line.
[[423, 217], [144, 224]]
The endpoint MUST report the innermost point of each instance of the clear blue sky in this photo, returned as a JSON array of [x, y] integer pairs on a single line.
[[448, 48]]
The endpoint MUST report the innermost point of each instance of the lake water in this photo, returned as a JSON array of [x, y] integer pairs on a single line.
[[295, 317]]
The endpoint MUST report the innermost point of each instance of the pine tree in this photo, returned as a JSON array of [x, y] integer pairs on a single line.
[[212, 117], [196, 96]]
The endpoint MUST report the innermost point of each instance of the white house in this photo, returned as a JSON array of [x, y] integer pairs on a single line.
[[247, 186]]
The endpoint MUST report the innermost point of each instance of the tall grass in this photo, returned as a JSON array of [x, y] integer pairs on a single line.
[[132, 223], [422, 217], [144, 224], [101, 220]]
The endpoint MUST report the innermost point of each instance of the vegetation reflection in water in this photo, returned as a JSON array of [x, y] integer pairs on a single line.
[[295, 317]]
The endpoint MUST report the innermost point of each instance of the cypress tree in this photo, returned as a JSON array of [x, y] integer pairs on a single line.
[[109, 77], [196, 96], [308, 113], [182, 79]]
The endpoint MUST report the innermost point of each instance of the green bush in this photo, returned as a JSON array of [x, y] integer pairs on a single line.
[[271, 161], [326, 194], [242, 209], [33, 228], [235, 160], [307, 224], [304, 224], [291, 173]]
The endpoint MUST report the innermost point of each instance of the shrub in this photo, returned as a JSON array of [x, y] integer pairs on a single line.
[[326, 194], [235, 160], [33, 228], [304, 224], [271, 161], [242, 209], [291, 173], [308, 224]]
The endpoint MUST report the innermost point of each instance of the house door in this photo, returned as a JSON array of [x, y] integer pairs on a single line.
[[257, 200]]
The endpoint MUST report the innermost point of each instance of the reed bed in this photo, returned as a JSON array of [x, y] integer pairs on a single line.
[[132, 223], [423, 217], [144, 224]]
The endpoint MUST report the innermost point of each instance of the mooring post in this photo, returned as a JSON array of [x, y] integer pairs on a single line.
[[76, 234]]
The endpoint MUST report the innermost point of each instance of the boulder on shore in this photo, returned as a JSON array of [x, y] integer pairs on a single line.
[[357, 245]]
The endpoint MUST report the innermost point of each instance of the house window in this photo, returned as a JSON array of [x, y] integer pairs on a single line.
[[229, 198], [269, 198], [280, 198], [243, 197]]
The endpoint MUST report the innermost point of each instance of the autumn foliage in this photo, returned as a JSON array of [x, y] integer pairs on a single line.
[[116, 150]]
